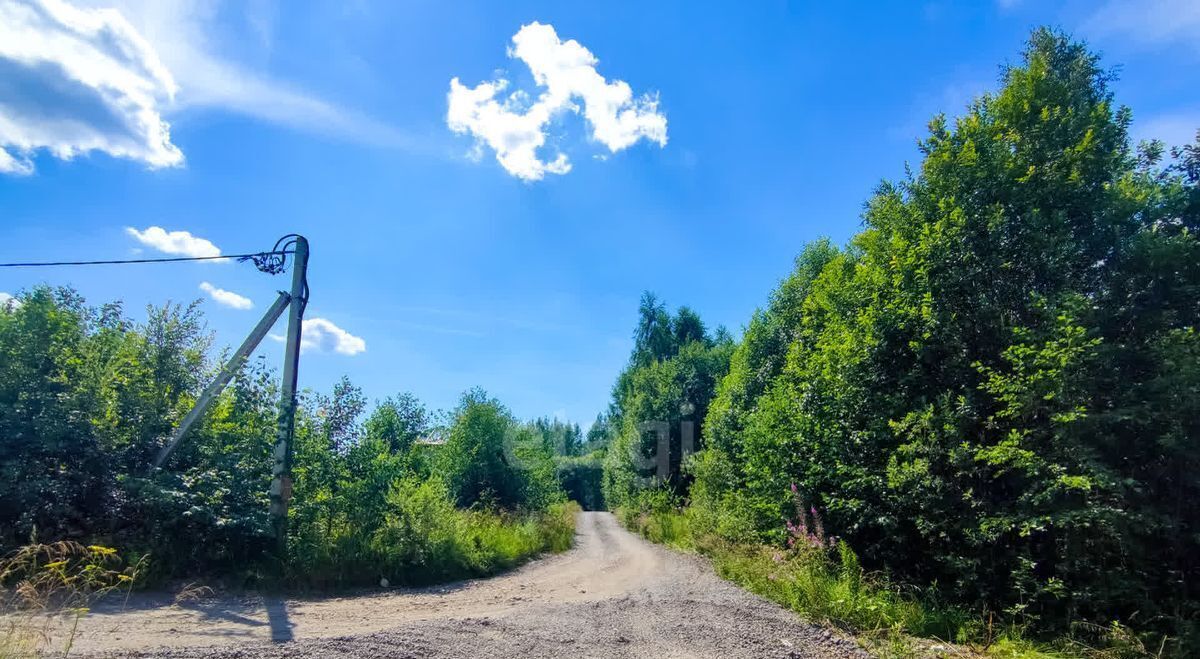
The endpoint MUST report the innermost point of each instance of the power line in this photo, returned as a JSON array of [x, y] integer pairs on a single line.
[[241, 257]]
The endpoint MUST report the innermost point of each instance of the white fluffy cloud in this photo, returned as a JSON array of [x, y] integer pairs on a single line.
[[322, 335], [226, 298], [6, 300], [181, 243], [79, 80], [515, 127]]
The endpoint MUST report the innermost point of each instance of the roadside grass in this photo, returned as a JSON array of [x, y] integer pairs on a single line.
[[828, 585], [46, 589], [43, 586], [425, 540], [493, 542]]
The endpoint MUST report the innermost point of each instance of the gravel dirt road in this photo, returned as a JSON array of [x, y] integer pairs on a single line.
[[612, 595]]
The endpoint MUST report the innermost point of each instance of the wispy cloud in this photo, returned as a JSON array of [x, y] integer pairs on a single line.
[[515, 126], [186, 37], [323, 335], [180, 243], [74, 81], [226, 298], [1148, 22]]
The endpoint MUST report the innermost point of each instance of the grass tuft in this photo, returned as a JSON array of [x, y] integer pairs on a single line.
[[40, 583]]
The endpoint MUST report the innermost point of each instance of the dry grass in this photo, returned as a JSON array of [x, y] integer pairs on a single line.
[[192, 592], [43, 585]]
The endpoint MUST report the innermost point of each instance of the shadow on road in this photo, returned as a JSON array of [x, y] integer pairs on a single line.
[[277, 618], [217, 611], [278, 622]]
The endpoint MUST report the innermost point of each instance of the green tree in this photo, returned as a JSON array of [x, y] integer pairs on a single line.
[[662, 395], [561, 437], [987, 388], [490, 459], [398, 422], [598, 435], [52, 464]]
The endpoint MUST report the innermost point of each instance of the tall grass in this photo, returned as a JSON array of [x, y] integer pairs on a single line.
[[42, 584], [425, 539], [823, 581], [835, 591], [823, 584]]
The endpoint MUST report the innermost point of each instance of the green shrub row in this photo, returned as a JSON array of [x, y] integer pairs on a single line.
[[992, 391], [88, 396], [425, 539]]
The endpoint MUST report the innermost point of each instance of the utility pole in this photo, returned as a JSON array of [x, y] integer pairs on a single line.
[[272, 262], [281, 470], [230, 369]]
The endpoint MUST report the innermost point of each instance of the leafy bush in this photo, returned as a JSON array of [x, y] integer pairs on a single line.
[[425, 539], [492, 460], [421, 533], [87, 397]]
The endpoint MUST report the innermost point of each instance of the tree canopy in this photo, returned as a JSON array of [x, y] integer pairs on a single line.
[[994, 386]]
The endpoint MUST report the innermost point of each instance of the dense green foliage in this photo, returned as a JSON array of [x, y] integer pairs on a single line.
[[994, 386], [660, 400], [578, 459], [87, 397], [582, 477], [491, 458]]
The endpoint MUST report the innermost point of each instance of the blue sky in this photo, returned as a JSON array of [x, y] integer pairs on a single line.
[[330, 119]]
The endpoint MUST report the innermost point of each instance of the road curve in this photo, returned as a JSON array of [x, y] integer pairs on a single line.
[[612, 595]]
